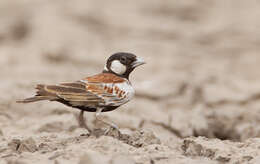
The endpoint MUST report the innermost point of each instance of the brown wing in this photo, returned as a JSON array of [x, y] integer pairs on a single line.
[[105, 78], [90, 92], [75, 93]]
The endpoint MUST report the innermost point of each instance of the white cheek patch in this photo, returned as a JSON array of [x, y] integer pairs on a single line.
[[118, 67]]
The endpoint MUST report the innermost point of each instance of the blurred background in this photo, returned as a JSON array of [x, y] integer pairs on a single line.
[[201, 78]]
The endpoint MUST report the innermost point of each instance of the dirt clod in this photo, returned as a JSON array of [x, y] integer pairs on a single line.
[[26, 145]]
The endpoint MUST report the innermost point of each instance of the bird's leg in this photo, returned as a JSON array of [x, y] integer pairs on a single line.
[[82, 121], [111, 125]]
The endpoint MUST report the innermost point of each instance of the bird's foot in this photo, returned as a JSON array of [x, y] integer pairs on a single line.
[[113, 130]]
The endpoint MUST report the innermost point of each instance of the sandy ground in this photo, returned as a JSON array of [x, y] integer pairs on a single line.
[[197, 100]]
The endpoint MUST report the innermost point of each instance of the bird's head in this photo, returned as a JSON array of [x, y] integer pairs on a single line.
[[122, 64]]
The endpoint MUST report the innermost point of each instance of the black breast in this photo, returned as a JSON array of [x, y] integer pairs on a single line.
[[88, 109]]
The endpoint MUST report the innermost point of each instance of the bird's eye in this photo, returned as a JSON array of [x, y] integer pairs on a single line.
[[123, 60]]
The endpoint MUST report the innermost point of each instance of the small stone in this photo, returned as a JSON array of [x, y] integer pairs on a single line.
[[191, 148], [45, 148], [223, 159], [28, 145], [142, 138], [247, 158], [81, 132], [14, 144]]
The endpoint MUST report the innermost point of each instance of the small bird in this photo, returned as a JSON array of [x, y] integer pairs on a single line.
[[103, 92]]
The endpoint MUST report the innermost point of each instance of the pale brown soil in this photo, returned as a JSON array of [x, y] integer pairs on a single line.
[[197, 100]]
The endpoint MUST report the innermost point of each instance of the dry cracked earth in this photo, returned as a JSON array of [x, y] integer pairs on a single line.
[[197, 98]]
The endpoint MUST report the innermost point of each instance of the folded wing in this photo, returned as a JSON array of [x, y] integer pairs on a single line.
[[97, 91]]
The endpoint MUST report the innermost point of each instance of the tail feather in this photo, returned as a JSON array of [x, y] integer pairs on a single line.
[[33, 99], [41, 94]]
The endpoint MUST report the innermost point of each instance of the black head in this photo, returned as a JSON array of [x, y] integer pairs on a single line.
[[122, 64]]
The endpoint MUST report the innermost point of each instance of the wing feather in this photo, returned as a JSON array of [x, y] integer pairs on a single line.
[[75, 94], [96, 91]]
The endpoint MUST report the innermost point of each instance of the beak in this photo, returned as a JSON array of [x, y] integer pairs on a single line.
[[139, 61]]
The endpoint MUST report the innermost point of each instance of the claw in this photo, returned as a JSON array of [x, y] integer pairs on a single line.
[[112, 128]]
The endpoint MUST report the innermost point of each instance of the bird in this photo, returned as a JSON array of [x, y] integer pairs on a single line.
[[102, 92]]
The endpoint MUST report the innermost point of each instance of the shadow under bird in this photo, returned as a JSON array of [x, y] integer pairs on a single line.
[[103, 92]]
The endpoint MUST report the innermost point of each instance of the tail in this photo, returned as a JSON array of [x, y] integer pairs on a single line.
[[32, 99], [41, 94]]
